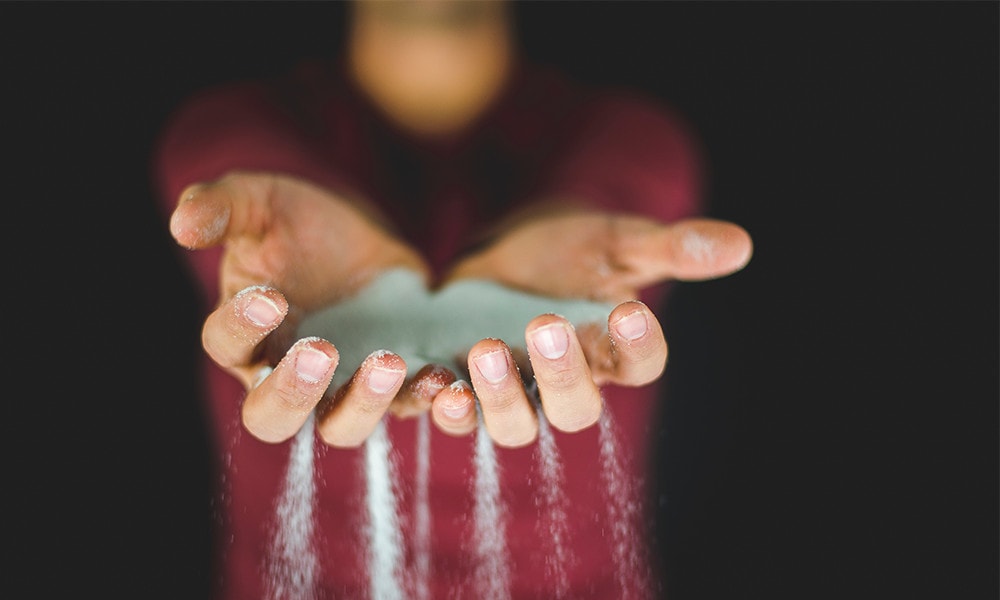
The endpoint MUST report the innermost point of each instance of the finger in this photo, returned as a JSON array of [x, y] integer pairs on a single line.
[[208, 213], [632, 352], [232, 332], [507, 414], [276, 409], [689, 250], [453, 409], [418, 393], [569, 396], [347, 419]]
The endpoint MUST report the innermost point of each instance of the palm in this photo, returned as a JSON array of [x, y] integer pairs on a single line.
[[607, 256], [310, 244]]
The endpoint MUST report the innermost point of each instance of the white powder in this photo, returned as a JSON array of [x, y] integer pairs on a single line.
[[217, 225], [384, 537], [422, 512], [397, 312], [492, 569], [697, 246], [551, 502], [623, 514], [294, 568]]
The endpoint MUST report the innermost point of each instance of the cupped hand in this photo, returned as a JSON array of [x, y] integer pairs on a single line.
[[291, 247], [584, 254]]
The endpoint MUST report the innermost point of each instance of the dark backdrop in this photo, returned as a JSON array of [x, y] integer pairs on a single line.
[[830, 428]]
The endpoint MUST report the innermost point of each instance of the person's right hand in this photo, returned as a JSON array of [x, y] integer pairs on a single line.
[[291, 247]]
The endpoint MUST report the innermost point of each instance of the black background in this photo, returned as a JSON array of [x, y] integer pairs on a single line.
[[831, 424]]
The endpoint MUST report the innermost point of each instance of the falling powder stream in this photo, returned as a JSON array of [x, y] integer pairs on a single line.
[[422, 512], [551, 502], [384, 536], [294, 569], [492, 570], [623, 514]]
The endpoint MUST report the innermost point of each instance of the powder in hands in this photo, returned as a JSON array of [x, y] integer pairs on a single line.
[[397, 312]]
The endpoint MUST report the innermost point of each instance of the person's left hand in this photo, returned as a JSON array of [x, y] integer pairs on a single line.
[[582, 254]]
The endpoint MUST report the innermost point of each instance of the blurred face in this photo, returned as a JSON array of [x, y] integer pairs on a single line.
[[432, 13], [433, 66]]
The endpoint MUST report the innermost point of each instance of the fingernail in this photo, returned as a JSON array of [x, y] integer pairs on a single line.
[[632, 326], [551, 340], [312, 365], [381, 380], [262, 311], [457, 405], [433, 382], [492, 365]]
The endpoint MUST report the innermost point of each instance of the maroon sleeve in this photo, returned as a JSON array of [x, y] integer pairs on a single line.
[[628, 153], [239, 126]]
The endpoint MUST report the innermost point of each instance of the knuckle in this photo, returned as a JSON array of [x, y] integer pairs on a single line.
[[559, 379], [292, 401], [499, 402], [371, 404]]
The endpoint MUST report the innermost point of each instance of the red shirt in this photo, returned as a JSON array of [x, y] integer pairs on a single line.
[[545, 137]]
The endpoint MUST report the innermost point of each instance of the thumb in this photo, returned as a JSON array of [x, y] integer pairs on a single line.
[[708, 248], [236, 204], [201, 217], [694, 250]]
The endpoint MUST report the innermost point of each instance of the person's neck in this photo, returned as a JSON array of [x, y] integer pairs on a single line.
[[432, 70]]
